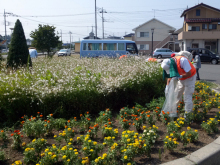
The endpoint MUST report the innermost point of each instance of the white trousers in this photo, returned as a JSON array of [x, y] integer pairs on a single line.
[[187, 87]]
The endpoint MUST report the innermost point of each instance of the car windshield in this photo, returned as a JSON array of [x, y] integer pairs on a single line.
[[63, 50], [212, 52]]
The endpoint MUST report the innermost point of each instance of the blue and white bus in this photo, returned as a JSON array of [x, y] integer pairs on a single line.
[[107, 48]]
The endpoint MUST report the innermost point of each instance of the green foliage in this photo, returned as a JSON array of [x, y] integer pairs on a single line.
[[211, 125], [18, 55], [2, 156], [45, 38]]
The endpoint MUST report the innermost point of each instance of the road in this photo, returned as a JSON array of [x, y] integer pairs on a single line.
[[210, 72]]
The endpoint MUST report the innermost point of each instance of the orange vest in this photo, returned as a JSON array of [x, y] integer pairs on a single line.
[[181, 71]]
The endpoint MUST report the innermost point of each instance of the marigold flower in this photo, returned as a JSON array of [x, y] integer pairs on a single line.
[[68, 121], [41, 115], [12, 134], [38, 113], [66, 126], [2, 131], [87, 112], [51, 114]]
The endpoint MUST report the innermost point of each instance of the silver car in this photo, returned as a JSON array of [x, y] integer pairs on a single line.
[[64, 52], [162, 53]]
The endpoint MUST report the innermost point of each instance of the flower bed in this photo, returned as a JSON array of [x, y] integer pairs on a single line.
[[136, 135], [65, 85]]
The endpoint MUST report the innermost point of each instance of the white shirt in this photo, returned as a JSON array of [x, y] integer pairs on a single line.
[[184, 64]]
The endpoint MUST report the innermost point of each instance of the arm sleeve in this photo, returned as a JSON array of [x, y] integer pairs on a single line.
[[185, 64]]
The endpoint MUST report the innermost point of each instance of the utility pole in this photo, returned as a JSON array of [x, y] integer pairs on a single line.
[[5, 31], [103, 11], [95, 21], [70, 39], [61, 35]]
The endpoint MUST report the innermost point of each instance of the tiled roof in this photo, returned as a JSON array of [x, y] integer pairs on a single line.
[[129, 35], [203, 20]]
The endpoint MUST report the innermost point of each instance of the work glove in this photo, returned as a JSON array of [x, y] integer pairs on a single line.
[[177, 78]]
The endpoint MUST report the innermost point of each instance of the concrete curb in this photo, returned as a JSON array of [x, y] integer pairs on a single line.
[[207, 155]]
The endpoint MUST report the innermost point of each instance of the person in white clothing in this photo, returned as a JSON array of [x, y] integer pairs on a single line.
[[33, 52], [187, 78]]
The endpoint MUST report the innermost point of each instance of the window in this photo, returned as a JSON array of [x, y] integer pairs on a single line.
[[84, 46], [169, 50], [94, 46], [204, 26], [144, 34], [109, 46], [212, 26], [197, 12], [144, 47], [195, 28], [121, 46]]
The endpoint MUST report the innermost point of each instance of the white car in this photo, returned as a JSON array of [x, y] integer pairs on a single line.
[[64, 52]]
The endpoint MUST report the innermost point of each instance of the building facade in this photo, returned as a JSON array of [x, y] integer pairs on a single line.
[[152, 28], [201, 28]]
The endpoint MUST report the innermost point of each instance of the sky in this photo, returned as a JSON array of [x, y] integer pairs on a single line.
[[78, 17]]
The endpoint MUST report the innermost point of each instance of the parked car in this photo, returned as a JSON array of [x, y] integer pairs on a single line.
[[64, 52], [162, 53], [206, 55]]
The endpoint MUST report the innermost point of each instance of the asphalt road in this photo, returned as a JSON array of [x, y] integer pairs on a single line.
[[210, 72]]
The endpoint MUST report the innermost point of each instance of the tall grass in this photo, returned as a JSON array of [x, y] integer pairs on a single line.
[[69, 86]]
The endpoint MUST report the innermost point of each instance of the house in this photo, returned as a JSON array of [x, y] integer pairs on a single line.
[[201, 28], [114, 37], [143, 35], [77, 47], [129, 36]]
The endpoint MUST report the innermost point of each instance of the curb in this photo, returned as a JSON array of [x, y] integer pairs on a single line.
[[207, 155]]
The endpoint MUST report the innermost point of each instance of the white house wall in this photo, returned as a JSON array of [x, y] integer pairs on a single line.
[[160, 31]]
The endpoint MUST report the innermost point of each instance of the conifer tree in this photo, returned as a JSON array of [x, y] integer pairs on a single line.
[[18, 55]]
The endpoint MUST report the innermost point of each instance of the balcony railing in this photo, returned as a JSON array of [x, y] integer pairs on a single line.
[[197, 35]]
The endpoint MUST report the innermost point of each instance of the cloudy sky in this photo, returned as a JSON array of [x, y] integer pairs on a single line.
[[77, 16]]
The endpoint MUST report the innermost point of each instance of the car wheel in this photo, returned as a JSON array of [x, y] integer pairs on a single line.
[[214, 61], [159, 56]]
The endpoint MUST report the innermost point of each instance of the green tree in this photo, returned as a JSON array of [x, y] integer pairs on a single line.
[[18, 51], [45, 38]]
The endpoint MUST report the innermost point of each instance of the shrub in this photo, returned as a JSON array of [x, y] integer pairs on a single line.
[[18, 51]]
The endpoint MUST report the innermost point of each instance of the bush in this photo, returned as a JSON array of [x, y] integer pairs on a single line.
[[85, 90]]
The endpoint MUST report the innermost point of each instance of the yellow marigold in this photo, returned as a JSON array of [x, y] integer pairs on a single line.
[[125, 157], [33, 140], [96, 160], [64, 157]]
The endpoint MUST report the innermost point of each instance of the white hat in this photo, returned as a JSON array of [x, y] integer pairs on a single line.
[[166, 65], [186, 54]]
